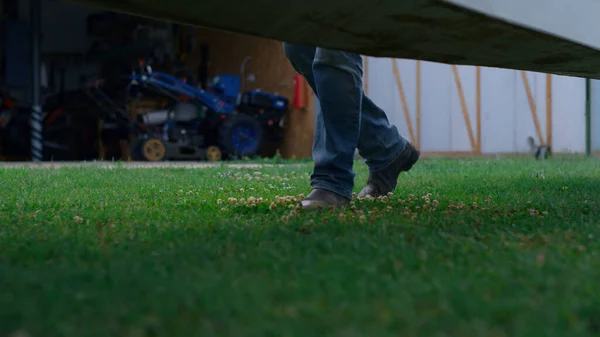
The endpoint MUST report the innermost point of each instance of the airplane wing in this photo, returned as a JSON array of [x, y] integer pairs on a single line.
[[551, 36]]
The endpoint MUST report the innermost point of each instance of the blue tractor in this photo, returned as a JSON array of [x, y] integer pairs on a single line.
[[198, 124]]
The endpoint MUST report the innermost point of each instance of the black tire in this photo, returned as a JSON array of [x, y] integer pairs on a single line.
[[240, 136], [135, 150]]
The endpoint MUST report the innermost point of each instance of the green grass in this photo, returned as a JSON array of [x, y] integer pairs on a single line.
[[510, 250]]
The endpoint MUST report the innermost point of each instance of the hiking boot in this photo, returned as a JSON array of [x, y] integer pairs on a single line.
[[384, 181], [318, 199]]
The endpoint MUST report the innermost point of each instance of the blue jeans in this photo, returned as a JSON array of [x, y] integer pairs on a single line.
[[347, 120]]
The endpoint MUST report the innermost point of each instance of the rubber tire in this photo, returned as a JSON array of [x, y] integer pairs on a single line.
[[226, 130], [135, 150]]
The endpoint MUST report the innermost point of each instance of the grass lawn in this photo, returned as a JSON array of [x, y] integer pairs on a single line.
[[477, 247]]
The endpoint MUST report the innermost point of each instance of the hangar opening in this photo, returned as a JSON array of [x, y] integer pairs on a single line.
[[119, 87]]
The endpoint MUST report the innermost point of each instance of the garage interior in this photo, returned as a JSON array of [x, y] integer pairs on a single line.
[[93, 109]]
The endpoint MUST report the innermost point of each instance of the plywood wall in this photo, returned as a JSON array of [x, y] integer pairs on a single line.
[[455, 109], [271, 71]]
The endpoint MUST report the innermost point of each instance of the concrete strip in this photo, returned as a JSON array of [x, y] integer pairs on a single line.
[[130, 165]]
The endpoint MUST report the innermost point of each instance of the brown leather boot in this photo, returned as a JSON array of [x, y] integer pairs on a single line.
[[319, 199], [384, 181]]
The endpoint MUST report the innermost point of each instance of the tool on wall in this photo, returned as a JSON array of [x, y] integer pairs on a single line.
[[299, 92]]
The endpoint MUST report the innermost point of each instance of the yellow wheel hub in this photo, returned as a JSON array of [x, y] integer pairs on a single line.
[[154, 150], [213, 153]]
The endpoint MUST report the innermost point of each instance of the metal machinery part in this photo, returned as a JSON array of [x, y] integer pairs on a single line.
[[542, 152], [240, 135], [187, 129], [177, 152], [539, 151], [197, 124]]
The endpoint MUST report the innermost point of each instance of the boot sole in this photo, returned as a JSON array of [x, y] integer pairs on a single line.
[[412, 160], [414, 157]]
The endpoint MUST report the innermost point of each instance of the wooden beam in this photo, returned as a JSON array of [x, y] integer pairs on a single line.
[[549, 110], [418, 105], [403, 99], [533, 108], [463, 105], [478, 111]]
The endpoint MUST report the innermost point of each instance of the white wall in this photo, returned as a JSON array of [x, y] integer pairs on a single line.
[[506, 119]]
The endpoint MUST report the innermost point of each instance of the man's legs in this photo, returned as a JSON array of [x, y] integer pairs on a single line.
[[302, 58], [384, 150]]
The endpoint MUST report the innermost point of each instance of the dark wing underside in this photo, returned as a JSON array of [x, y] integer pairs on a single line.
[[432, 30]]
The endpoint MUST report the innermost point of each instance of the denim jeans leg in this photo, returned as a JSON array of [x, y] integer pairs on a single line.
[[331, 74], [379, 142], [301, 57], [338, 81]]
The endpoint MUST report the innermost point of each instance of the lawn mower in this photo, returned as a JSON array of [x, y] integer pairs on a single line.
[[197, 124]]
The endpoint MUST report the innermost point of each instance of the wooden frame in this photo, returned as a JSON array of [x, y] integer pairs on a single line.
[[416, 137], [418, 144], [532, 108], [475, 143], [478, 108], [475, 134], [402, 94], [547, 141]]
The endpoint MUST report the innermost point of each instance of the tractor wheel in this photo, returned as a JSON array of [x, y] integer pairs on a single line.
[[153, 149], [241, 136]]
